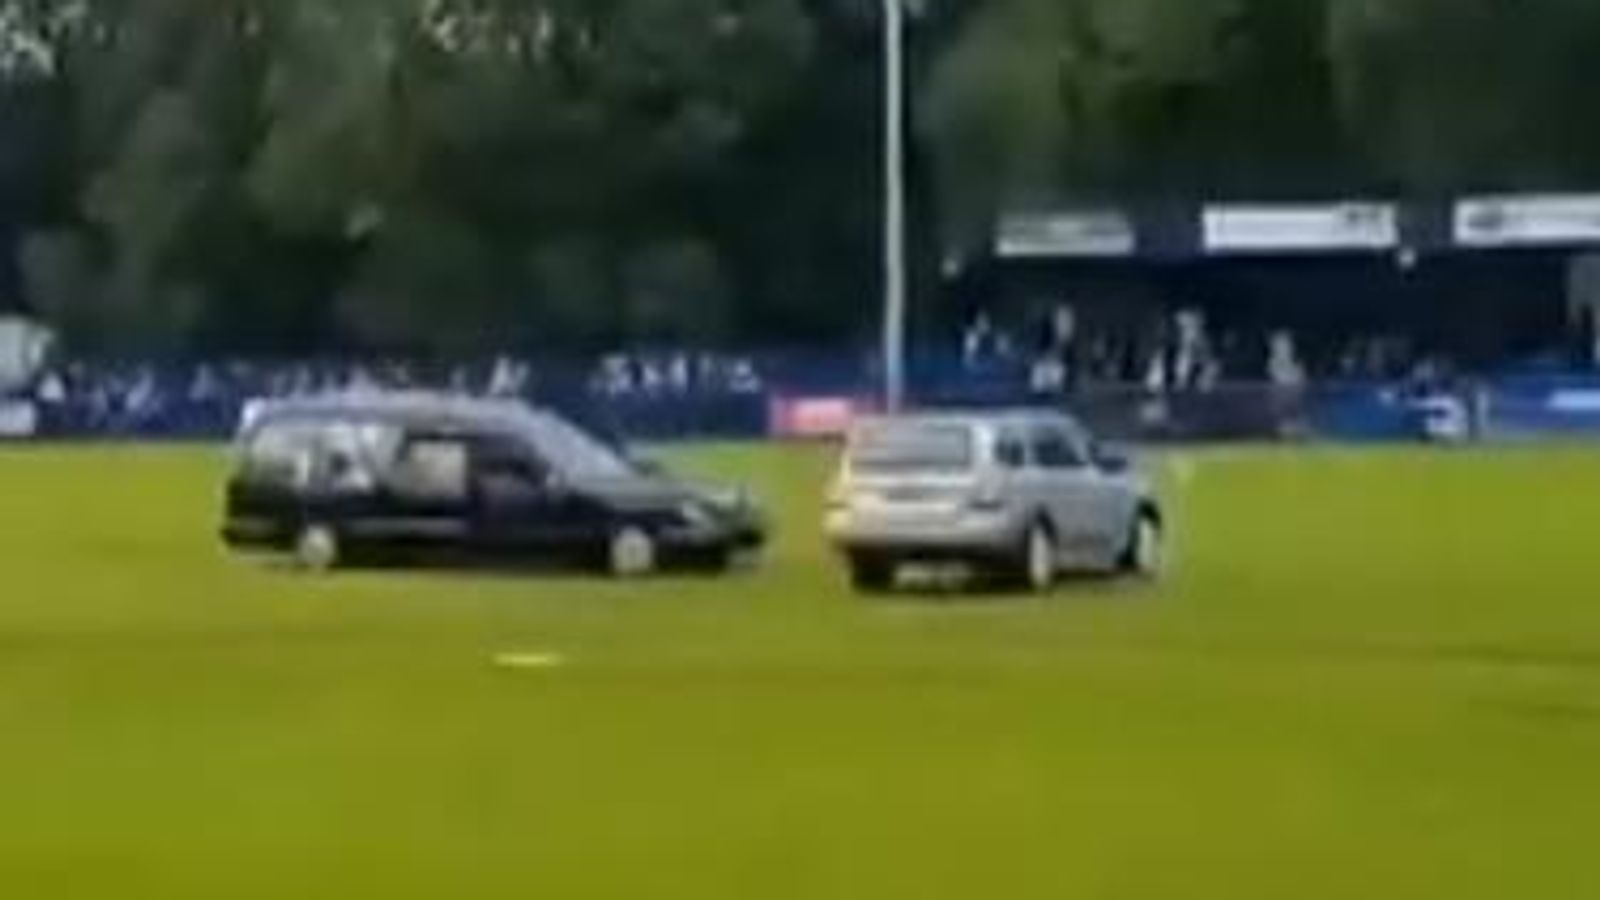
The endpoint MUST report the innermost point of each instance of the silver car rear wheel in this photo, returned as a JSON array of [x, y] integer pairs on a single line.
[[1040, 565]]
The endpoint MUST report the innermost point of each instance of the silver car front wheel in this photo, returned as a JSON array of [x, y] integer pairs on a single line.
[[1144, 556]]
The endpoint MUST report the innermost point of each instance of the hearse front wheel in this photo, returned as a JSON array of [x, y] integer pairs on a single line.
[[632, 553], [316, 548], [741, 559]]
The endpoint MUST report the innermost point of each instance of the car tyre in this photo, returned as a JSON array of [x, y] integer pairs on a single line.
[[1143, 557], [632, 553], [1037, 564], [317, 548], [871, 573]]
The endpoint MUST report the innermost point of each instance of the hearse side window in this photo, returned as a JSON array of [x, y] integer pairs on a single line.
[[501, 457], [432, 468], [354, 452], [340, 454], [281, 453]]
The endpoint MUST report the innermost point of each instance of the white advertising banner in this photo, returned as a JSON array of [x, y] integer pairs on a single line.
[[1081, 233], [18, 419], [1528, 220], [24, 345], [1287, 228]]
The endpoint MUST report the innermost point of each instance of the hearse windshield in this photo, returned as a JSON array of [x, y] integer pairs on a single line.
[[575, 453]]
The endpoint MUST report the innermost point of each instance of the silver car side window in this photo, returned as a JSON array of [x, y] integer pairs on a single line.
[[1010, 450], [1053, 448]]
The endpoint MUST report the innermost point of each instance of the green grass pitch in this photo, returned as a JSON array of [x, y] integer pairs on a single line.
[[1370, 675]]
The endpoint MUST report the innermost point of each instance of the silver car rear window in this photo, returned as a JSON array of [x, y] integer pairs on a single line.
[[912, 447]]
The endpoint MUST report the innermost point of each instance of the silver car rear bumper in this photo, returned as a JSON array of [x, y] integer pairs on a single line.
[[978, 533]]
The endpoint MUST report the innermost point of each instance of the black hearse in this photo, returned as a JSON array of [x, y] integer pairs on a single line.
[[411, 476]]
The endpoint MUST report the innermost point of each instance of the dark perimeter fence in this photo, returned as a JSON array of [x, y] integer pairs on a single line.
[[706, 396]]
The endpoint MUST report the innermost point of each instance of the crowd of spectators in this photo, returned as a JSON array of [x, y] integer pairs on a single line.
[[206, 397], [1061, 354], [1182, 351], [676, 372]]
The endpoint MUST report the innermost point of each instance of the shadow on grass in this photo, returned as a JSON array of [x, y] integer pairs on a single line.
[[942, 588], [434, 563]]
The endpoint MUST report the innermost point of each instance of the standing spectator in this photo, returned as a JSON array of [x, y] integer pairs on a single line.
[[509, 378], [651, 377], [1048, 376], [745, 379], [975, 340], [1287, 377], [984, 343], [679, 376], [52, 389], [1192, 356], [1057, 366], [615, 377], [1284, 369]]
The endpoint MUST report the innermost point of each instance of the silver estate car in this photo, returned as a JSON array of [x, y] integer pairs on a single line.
[[1022, 495]]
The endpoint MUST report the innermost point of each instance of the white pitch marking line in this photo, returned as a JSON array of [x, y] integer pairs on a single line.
[[529, 662]]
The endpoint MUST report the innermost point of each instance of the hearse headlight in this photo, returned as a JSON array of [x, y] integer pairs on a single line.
[[727, 498], [697, 515]]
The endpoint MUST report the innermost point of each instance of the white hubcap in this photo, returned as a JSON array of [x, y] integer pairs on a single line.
[[633, 553], [1041, 559], [317, 548]]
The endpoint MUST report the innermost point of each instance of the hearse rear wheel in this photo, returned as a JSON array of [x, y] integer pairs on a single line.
[[316, 548], [1034, 566]]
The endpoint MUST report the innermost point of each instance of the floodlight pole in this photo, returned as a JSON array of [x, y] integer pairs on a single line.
[[894, 207]]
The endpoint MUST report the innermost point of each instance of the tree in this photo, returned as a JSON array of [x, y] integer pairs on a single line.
[[1042, 101], [1444, 95], [445, 175]]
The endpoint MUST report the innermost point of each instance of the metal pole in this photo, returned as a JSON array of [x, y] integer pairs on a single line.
[[894, 207]]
